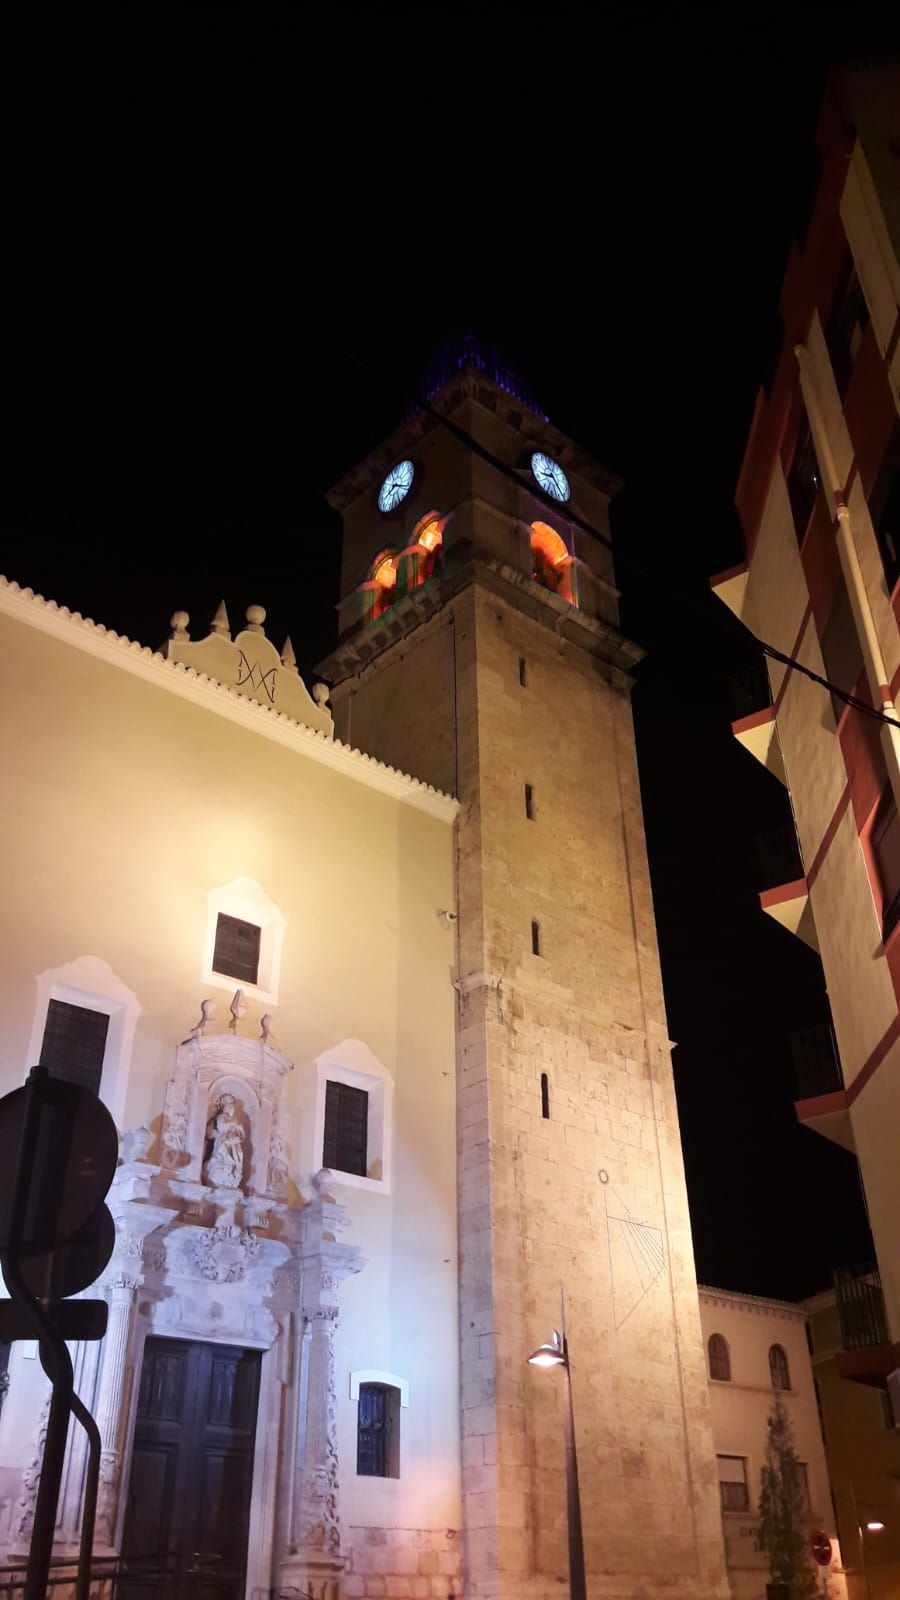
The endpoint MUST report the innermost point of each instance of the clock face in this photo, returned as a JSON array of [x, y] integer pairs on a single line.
[[549, 474], [396, 486]]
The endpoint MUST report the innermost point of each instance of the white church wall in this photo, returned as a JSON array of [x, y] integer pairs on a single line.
[[126, 805]]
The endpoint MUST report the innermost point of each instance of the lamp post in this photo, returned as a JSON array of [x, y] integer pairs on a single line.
[[864, 1525], [556, 1354]]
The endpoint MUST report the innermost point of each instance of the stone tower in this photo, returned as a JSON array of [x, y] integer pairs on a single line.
[[480, 651]]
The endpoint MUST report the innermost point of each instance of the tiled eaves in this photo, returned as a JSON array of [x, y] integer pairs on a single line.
[[106, 645]]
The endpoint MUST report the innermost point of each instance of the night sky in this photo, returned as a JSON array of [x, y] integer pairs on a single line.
[[237, 241]]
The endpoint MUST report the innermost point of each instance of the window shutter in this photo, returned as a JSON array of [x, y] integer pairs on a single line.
[[74, 1044], [345, 1146], [236, 954], [373, 1431]]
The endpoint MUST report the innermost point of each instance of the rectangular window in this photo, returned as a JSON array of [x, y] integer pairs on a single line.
[[535, 938], [733, 1491], [803, 481], [803, 1475], [846, 325], [74, 1043], [377, 1431], [884, 509], [529, 802], [883, 855], [236, 954], [346, 1128], [522, 671], [840, 648], [545, 1095]]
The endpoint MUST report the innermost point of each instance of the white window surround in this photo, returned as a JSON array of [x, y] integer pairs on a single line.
[[352, 1062], [372, 1375], [89, 981], [246, 899]]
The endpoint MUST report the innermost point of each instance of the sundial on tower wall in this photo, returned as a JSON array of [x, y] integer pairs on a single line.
[[637, 1252]]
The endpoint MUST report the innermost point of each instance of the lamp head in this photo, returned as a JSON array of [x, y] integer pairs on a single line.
[[548, 1355], [875, 1526]]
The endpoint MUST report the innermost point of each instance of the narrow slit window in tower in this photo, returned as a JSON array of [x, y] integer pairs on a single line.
[[545, 1095], [535, 938], [522, 671], [529, 802]]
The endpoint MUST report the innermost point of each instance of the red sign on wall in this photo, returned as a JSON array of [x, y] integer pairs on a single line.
[[820, 1548]]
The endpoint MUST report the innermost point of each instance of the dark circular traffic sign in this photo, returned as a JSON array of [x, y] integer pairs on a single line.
[[820, 1547], [58, 1154], [75, 1263]]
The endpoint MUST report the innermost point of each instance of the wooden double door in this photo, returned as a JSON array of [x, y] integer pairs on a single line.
[[192, 1468]]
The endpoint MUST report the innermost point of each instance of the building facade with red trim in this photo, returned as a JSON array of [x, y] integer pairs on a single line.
[[819, 502]]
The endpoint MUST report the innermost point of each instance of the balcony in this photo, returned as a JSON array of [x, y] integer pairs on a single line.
[[868, 1354], [821, 1102], [785, 895], [754, 725], [731, 587]]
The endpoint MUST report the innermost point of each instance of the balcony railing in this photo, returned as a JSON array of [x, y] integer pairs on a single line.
[[779, 856], [749, 690], [860, 1306], [817, 1069]]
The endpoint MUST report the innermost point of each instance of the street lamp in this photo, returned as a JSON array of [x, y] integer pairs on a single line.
[[556, 1354]]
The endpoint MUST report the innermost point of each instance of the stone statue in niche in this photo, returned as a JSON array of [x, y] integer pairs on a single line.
[[224, 1168]]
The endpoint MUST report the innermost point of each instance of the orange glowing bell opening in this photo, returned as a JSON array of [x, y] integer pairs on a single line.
[[549, 543]]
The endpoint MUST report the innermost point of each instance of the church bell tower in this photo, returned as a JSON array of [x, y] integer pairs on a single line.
[[480, 651]]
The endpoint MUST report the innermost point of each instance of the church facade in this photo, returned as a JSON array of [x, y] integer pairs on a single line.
[[388, 1053]]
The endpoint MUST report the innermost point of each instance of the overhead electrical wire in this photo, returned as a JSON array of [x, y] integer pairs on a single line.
[[770, 650]]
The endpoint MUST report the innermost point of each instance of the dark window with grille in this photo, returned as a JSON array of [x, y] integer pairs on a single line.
[[237, 948], [74, 1043], [733, 1491], [346, 1128], [779, 1370], [803, 481], [719, 1358], [377, 1431]]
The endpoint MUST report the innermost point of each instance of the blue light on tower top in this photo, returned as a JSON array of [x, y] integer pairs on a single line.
[[484, 358]]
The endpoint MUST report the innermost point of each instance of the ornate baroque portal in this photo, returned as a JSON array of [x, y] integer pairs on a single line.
[[214, 1243]]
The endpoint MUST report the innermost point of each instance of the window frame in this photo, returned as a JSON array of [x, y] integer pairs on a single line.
[[217, 959], [390, 1430], [733, 1483], [723, 1354], [101, 1042], [344, 1093], [778, 1355], [354, 1063], [91, 983], [247, 901]]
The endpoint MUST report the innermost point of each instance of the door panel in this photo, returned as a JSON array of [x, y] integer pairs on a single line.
[[191, 1477]]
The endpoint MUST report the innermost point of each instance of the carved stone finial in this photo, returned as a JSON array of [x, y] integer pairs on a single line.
[[179, 621], [238, 1009], [265, 1030], [256, 616], [220, 623], [321, 694], [207, 1008], [288, 658], [322, 1182]]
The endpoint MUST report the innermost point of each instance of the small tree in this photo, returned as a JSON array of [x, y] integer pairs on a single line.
[[783, 1512]]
